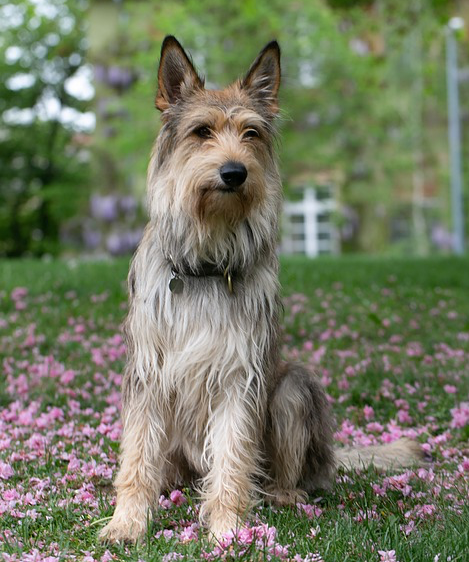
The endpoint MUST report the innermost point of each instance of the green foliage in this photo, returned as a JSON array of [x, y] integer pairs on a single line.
[[363, 98], [43, 170], [363, 106]]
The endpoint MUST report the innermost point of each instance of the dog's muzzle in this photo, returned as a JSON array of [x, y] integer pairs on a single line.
[[233, 175]]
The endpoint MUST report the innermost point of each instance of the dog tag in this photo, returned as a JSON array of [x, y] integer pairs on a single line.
[[176, 285]]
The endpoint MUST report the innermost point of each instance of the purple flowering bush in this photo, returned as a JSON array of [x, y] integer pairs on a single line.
[[390, 342], [115, 224]]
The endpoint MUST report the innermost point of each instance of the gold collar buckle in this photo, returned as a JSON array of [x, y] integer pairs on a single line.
[[227, 276]]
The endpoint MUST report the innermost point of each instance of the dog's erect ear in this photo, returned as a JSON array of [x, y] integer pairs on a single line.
[[263, 78], [176, 74]]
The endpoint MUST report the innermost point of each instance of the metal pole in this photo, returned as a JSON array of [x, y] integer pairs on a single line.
[[454, 135]]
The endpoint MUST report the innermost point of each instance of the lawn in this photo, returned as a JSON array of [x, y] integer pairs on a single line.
[[388, 338]]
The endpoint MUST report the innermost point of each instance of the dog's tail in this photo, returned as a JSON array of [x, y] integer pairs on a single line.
[[399, 454]]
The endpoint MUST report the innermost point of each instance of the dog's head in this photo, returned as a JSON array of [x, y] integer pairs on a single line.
[[215, 153]]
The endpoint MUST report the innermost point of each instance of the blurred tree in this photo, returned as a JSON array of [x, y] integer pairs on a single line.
[[115, 224], [363, 98], [43, 99], [392, 176]]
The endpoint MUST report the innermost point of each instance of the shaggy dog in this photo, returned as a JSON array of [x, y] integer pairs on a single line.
[[206, 396]]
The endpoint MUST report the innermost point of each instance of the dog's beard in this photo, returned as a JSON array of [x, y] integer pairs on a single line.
[[204, 198], [213, 204]]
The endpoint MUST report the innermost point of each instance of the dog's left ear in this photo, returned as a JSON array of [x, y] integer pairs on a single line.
[[263, 78]]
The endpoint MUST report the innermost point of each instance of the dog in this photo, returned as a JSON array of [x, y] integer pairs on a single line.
[[206, 397]]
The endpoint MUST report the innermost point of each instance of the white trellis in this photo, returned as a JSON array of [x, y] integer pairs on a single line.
[[308, 227]]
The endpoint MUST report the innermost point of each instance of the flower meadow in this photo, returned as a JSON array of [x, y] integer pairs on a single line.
[[390, 341]]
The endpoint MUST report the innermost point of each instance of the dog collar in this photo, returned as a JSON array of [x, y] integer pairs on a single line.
[[204, 269]]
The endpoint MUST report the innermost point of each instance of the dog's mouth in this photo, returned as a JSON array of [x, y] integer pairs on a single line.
[[223, 189], [228, 189]]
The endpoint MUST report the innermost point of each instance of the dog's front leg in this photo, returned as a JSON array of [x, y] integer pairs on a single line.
[[234, 452], [138, 482]]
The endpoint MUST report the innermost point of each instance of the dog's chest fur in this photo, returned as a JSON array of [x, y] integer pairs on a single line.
[[204, 340]]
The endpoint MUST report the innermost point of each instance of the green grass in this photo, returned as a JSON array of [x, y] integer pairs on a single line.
[[388, 334]]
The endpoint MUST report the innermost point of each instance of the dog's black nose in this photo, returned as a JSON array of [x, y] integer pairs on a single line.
[[233, 174]]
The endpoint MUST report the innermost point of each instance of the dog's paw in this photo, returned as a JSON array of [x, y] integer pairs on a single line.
[[223, 522], [122, 529], [283, 497]]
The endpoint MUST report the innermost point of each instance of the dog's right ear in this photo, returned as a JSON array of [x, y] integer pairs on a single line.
[[176, 74]]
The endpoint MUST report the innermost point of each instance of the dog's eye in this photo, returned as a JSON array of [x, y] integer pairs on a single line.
[[203, 132], [251, 134]]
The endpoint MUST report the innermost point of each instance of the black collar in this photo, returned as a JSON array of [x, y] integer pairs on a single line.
[[203, 269]]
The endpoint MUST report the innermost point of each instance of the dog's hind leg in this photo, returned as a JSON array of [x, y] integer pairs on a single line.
[[138, 482], [299, 437]]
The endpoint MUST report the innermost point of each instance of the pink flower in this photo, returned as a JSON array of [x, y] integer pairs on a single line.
[[280, 551], [224, 542], [403, 416], [408, 529], [189, 533], [387, 555], [177, 497], [343, 384], [318, 354], [67, 377], [246, 535], [36, 556], [168, 534], [265, 535], [378, 490], [29, 499], [425, 510], [450, 389], [19, 293], [374, 426], [460, 415], [368, 412], [73, 464], [5, 470], [310, 510], [164, 502], [11, 495]]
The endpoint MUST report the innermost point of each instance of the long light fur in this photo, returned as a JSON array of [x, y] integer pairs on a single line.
[[205, 396], [400, 453]]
